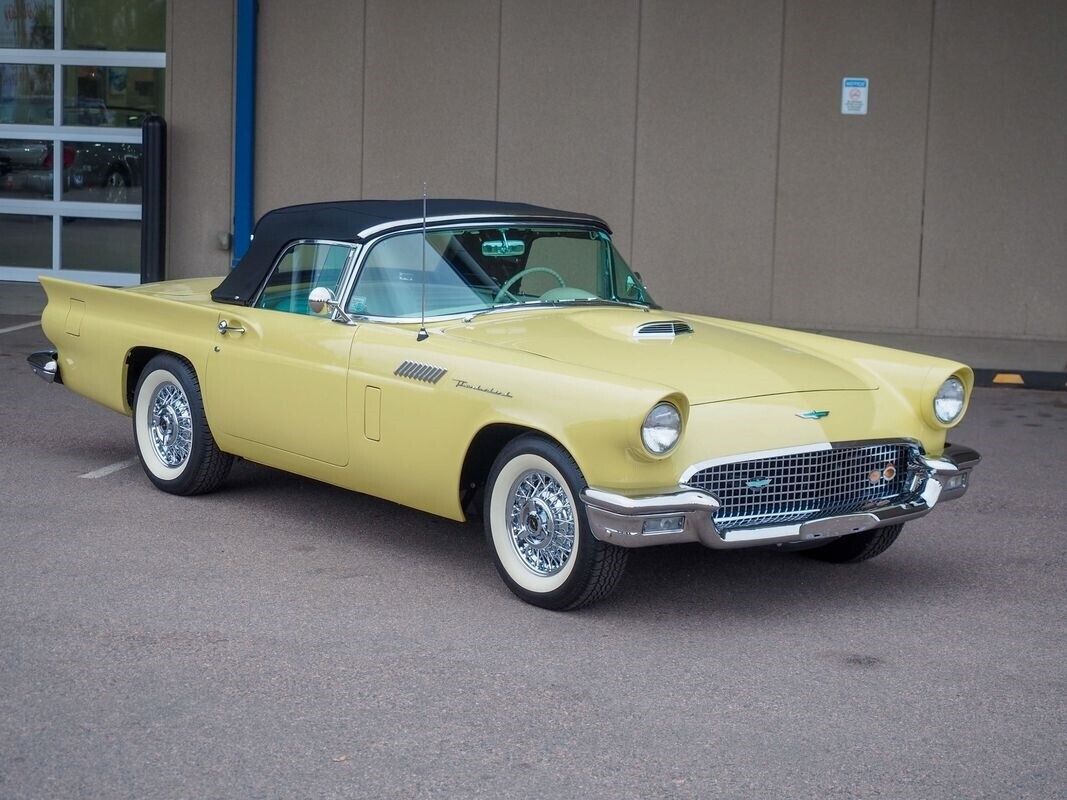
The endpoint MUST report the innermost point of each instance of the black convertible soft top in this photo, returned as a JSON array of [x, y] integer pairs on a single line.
[[348, 221]]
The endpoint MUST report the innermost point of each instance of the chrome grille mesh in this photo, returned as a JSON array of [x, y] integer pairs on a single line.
[[802, 486]]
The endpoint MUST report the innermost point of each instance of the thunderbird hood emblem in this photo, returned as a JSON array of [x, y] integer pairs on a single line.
[[814, 414]]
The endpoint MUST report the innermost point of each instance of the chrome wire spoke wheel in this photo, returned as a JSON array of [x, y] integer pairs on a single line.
[[537, 529], [541, 522], [170, 424], [174, 442]]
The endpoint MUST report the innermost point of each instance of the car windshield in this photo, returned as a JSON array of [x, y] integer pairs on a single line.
[[470, 270]]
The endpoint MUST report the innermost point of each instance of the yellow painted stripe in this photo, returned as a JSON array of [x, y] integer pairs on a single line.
[[1013, 378]]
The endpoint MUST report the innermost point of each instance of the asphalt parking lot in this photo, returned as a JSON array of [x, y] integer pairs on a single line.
[[285, 639]]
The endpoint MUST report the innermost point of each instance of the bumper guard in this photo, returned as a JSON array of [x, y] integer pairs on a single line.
[[45, 364]]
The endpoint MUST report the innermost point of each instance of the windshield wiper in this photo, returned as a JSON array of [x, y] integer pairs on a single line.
[[590, 301], [597, 301]]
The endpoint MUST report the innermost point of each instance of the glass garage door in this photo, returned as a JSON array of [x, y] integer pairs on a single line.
[[77, 77]]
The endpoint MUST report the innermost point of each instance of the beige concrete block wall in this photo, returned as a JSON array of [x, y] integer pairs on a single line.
[[568, 91], [431, 89], [849, 206], [707, 132], [309, 102], [994, 255], [199, 114], [707, 137]]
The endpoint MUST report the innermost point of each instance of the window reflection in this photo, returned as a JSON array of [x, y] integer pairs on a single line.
[[103, 172], [113, 97], [25, 241], [114, 25], [45, 165], [107, 245], [26, 94], [26, 169], [28, 24]]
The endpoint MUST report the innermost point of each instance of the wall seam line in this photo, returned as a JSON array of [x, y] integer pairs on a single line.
[[363, 108], [637, 121], [777, 165], [499, 61], [926, 159], [168, 108], [233, 128]]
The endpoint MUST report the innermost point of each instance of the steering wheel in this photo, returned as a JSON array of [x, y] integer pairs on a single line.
[[514, 278]]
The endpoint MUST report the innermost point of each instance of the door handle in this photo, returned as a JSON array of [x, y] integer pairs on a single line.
[[225, 327]]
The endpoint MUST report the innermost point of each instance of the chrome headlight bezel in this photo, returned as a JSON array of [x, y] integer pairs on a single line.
[[949, 401], [661, 429]]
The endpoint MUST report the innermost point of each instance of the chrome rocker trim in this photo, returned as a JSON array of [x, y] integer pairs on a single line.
[[45, 365], [621, 519]]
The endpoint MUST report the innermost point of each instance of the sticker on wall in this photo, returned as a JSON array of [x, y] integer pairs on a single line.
[[854, 95]]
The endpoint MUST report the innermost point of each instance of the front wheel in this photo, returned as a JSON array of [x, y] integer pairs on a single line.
[[856, 547], [538, 532], [174, 443]]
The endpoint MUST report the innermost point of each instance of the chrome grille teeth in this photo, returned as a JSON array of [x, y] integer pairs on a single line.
[[427, 373], [809, 485]]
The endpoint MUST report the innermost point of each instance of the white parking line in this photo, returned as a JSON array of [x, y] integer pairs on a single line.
[[100, 473], [20, 327]]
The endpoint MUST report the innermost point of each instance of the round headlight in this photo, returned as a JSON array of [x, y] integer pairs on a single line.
[[948, 402], [661, 428]]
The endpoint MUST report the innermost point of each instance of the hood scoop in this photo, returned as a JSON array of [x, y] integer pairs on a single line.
[[665, 329]]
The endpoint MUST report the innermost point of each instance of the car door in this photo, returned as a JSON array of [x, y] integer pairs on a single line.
[[278, 372]]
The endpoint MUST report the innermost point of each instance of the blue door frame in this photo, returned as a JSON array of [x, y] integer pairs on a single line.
[[244, 140]]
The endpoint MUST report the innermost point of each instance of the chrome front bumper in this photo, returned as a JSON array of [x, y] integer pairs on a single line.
[[45, 364], [685, 514]]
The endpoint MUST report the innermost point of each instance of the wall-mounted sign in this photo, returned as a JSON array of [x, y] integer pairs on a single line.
[[854, 95]]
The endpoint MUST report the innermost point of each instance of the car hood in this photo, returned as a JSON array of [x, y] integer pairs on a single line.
[[717, 361]]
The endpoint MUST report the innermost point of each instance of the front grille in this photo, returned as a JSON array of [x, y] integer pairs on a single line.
[[810, 485]]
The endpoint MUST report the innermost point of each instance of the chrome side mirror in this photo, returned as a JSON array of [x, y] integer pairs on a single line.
[[321, 299]]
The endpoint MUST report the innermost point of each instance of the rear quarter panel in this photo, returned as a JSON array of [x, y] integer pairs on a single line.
[[93, 328]]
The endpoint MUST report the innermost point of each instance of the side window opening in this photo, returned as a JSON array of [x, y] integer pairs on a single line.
[[301, 268]]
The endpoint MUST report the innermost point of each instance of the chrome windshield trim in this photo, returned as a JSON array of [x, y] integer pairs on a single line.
[[534, 305], [384, 231], [443, 221]]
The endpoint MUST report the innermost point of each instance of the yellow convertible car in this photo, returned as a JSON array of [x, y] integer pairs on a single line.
[[478, 357]]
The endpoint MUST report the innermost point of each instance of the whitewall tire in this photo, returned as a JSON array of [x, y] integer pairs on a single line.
[[537, 530], [174, 444]]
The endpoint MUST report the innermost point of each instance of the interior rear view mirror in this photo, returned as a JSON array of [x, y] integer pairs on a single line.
[[503, 249]]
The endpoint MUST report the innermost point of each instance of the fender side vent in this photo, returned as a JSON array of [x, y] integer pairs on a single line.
[[427, 373], [667, 329]]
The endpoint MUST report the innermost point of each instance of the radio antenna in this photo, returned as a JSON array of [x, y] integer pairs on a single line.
[[423, 335]]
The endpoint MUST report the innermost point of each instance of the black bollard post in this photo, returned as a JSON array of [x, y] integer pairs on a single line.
[[153, 198]]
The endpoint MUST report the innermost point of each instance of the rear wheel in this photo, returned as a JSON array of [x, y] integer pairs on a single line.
[[856, 546], [174, 443], [538, 532]]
